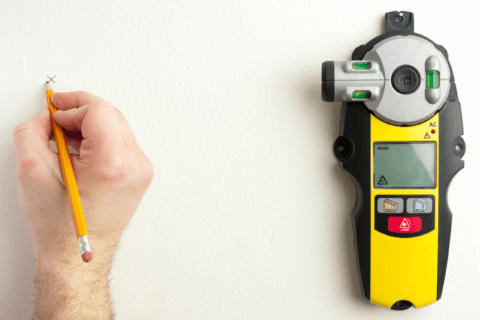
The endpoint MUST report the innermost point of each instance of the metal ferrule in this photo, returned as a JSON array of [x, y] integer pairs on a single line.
[[84, 244]]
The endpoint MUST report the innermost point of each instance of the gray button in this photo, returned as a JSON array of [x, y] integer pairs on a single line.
[[390, 205], [419, 205]]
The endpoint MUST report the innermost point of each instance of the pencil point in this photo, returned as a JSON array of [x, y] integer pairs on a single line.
[[48, 86], [87, 256]]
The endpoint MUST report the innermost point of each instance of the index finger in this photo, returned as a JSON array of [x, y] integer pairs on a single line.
[[97, 121], [100, 129], [74, 99]]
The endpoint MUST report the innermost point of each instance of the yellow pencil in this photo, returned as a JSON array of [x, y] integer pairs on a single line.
[[70, 182]]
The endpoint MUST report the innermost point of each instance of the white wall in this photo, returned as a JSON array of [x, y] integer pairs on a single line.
[[248, 216]]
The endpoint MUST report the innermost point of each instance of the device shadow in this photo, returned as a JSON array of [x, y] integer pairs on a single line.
[[342, 193]]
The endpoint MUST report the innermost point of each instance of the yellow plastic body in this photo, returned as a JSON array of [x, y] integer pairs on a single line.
[[67, 172], [403, 268]]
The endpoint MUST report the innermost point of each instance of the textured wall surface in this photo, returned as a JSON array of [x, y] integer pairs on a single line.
[[248, 216]]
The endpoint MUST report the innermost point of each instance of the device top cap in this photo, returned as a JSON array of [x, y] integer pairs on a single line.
[[403, 78], [399, 21]]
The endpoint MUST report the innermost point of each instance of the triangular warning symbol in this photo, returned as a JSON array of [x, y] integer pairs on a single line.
[[405, 224], [382, 181], [427, 136]]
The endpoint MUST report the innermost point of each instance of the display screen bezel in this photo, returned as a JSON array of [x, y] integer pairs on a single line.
[[375, 144]]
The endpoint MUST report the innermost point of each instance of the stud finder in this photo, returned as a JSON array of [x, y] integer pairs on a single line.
[[401, 144]]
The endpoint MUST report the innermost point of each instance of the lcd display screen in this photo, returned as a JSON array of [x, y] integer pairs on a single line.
[[404, 165]]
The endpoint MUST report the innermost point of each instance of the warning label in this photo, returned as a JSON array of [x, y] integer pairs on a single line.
[[382, 181], [427, 136], [405, 225]]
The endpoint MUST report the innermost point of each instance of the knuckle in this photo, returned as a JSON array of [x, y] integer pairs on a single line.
[[148, 172], [85, 95], [17, 128], [80, 95], [112, 172], [142, 175], [28, 165], [119, 113], [101, 106], [30, 171], [110, 176], [22, 126], [115, 108]]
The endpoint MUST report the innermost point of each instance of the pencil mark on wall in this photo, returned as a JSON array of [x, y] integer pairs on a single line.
[[51, 79]]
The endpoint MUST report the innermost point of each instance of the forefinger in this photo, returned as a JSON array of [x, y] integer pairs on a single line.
[[74, 99], [100, 129], [77, 99]]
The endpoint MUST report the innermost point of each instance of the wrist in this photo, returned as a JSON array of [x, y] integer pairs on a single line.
[[65, 249], [71, 262], [67, 287]]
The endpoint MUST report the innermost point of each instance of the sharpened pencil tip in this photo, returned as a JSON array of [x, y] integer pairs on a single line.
[[48, 86]]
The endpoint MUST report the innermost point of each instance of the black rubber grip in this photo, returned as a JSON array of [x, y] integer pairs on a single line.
[[328, 81]]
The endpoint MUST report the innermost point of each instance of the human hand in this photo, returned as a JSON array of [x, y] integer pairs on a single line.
[[111, 171]]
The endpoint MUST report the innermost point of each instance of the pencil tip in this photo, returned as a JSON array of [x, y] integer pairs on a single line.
[[48, 86]]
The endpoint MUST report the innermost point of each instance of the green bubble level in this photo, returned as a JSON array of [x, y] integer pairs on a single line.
[[433, 79], [361, 95], [362, 66]]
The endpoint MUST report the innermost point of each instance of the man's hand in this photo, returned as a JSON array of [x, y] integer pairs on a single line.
[[112, 175]]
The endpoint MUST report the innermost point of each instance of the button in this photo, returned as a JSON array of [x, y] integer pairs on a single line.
[[390, 205], [419, 205], [404, 224], [405, 79]]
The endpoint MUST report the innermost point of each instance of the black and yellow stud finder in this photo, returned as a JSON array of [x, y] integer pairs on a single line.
[[401, 143]]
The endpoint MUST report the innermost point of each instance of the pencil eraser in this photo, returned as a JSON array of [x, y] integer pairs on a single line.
[[87, 256]]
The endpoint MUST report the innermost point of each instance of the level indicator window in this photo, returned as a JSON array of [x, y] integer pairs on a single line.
[[432, 79], [361, 95], [361, 66]]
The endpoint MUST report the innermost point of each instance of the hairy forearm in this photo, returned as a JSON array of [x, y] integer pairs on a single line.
[[68, 288]]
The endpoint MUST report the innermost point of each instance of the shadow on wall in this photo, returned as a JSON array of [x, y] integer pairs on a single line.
[[17, 269], [344, 201]]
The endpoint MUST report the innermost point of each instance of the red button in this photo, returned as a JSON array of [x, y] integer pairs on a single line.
[[404, 224]]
